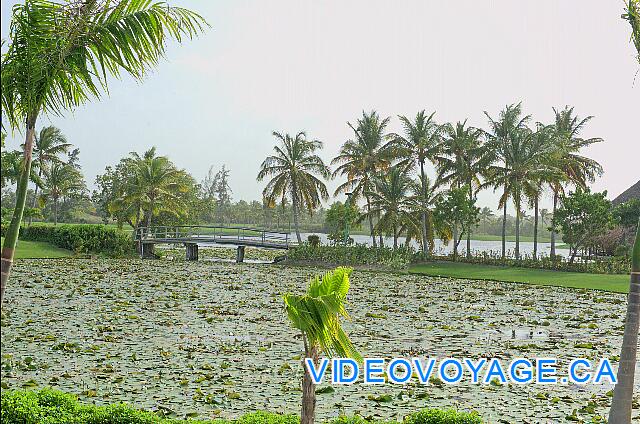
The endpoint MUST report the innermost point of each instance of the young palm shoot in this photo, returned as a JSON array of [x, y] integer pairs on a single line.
[[621, 404], [317, 315]]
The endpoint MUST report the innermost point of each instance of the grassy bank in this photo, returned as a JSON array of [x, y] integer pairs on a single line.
[[608, 282], [39, 249]]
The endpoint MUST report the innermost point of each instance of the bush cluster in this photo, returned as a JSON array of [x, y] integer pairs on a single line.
[[49, 406], [81, 238], [358, 254], [608, 265]]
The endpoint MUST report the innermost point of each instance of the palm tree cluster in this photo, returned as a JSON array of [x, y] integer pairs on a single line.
[[389, 172]]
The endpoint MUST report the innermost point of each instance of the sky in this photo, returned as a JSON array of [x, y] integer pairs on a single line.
[[315, 65]]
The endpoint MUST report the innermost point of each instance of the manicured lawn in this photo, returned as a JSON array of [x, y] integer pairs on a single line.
[[38, 249], [614, 283]]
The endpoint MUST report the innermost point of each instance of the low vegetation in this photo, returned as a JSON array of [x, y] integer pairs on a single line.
[[352, 255]]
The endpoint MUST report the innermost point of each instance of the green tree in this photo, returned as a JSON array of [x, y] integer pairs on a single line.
[[456, 210], [486, 216], [573, 167], [340, 216], [60, 54], [503, 132], [48, 147], [317, 315], [390, 201], [421, 142], [369, 154], [583, 216], [61, 181], [293, 169], [462, 161], [632, 14]]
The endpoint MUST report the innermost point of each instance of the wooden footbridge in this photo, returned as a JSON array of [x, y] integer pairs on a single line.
[[191, 236]]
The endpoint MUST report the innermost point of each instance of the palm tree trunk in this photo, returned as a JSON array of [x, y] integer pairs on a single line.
[[294, 204], [517, 251], [553, 229], [307, 415], [373, 234], [35, 193], [55, 211], [620, 412], [395, 237], [455, 241], [535, 228], [11, 238], [469, 230], [504, 230], [424, 210]]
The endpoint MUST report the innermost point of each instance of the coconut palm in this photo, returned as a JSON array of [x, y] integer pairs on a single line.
[[622, 401], [60, 55], [293, 169], [574, 168], [317, 315], [461, 161], [417, 204], [501, 134], [390, 201], [485, 215], [48, 147], [370, 153], [61, 181], [632, 14], [421, 143]]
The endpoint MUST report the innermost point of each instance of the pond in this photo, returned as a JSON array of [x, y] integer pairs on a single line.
[[210, 339]]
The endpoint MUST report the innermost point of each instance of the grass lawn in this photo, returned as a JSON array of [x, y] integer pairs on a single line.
[[613, 283], [38, 249]]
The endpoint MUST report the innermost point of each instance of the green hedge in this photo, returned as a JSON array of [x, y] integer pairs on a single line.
[[49, 406], [353, 255], [81, 238]]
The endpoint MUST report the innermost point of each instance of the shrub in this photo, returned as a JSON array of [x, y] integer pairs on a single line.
[[84, 238], [48, 406], [314, 240], [353, 255]]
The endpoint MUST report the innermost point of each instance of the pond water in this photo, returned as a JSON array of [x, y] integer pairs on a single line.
[[526, 248], [211, 339]]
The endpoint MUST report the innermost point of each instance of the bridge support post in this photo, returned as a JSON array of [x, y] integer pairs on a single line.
[[240, 255], [147, 251], [192, 251]]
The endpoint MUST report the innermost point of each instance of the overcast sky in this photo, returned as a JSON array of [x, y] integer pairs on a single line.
[[314, 65]]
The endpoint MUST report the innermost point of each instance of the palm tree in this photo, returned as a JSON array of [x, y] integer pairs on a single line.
[[419, 203], [421, 143], [293, 169], [461, 162], [61, 181], [632, 14], [621, 404], [501, 134], [61, 54], [486, 214], [47, 150], [317, 316], [390, 201], [361, 159], [573, 167]]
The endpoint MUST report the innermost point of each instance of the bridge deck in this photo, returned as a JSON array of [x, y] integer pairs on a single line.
[[220, 240]]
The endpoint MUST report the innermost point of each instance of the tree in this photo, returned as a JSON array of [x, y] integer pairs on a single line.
[[583, 216], [317, 315], [369, 154], [456, 210], [60, 54], [48, 147], [61, 181], [502, 133], [390, 201], [632, 14], [573, 167], [461, 162], [340, 216], [293, 169], [217, 190], [422, 142], [621, 404], [486, 215]]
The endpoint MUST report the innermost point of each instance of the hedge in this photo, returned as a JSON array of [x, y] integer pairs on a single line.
[[49, 406], [81, 238], [358, 254]]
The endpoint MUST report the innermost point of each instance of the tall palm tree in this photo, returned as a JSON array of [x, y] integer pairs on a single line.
[[621, 404], [60, 55], [461, 162], [421, 143], [501, 134], [486, 214], [61, 181], [418, 203], [390, 201], [574, 168], [632, 14], [293, 169], [48, 147], [317, 316]]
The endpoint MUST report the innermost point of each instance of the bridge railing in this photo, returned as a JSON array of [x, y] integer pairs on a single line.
[[208, 233]]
